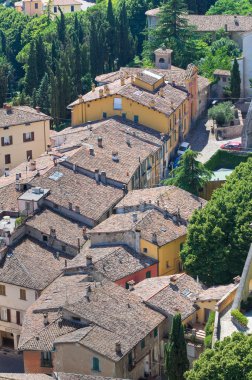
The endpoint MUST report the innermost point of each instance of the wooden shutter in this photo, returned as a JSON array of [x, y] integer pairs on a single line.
[[8, 315], [18, 318], [24, 137], [2, 141], [32, 136], [11, 140]]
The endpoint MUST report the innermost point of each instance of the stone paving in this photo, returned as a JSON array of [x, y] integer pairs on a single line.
[[203, 141]]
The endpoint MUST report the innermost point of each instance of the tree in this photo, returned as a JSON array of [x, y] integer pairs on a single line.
[[229, 359], [126, 45], [5, 74], [111, 38], [235, 83], [43, 95], [40, 59], [219, 235], [222, 113], [61, 27], [31, 77], [232, 7], [191, 175], [174, 32], [176, 361]]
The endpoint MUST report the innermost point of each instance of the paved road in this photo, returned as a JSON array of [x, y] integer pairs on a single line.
[[203, 141], [11, 361]]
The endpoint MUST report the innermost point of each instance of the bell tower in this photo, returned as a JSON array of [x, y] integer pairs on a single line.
[[163, 58]]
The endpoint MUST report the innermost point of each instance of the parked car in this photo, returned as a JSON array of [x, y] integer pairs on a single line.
[[184, 146], [231, 145]]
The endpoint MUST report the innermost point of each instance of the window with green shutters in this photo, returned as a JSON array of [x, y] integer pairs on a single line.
[[96, 365], [148, 274]]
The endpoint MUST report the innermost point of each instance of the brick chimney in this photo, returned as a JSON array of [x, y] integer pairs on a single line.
[[99, 141], [118, 348], [38, 109]]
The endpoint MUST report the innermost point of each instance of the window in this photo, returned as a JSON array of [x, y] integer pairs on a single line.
[[123, 115], [130, 361], [145, 250], [117, 103], [2, 290], [55, 9], [63, 247], [7, 140], [36, 5], [18, 318], [104, 115], [28, 136], [148, 274], [46, 359], [155, 332], [7, 159], [72, 8], [45, 238], [23, 294], [8, 315], [136, 119], [142, 344], [29, 155], [6, 127], [126, 285], [96, 364]]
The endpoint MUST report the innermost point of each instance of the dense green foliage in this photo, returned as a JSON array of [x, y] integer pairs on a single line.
[[222, 113], [230, 359], [235, 84], [190, 175], [209, 328], [226, 159], [242, 319], [232, 7], [176, 362], [219, 235]]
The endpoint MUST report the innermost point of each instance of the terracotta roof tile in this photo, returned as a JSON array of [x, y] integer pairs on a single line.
[[20, 115]]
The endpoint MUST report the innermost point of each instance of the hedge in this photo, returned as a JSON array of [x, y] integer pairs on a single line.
[[209, 328], [226, 159], [239, 317]]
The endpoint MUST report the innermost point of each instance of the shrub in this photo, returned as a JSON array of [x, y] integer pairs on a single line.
[[209, 330], [239, 317], [222, 113]]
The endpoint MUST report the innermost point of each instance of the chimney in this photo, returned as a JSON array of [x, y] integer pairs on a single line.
[[137, 240], [101, 92], [237, 280], [84, 231], [8, 108], [88, 292], [122, 79], [131, 284], [115, 157], [132, 78], [97, 175], [70, 205], [99, 140], [5, 105], [89, 260], [32, 166], [173, 279], [152, 103], [161, 92], [93, 87], [103, 177], [154, 238], [173, 83], [91, 150], [118, 348], [74, 168], [52, 232], [65, 263], [77, 209], [106, 89], [226, 27], [134, 218], [46, 319], [38, 109]]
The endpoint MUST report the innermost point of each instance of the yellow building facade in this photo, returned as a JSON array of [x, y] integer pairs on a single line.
[[24, 135], [168, 255], [159, 106]]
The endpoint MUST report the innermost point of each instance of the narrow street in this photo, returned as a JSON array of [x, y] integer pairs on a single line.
[[203, 141]]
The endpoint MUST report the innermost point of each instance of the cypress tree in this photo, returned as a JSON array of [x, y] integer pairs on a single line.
[[40, 59], [2, 42], [61, 28], [126, 46], [77, 69], [235, 84], [176, 361], [33, 99], [31, 77], [43, 95], [111, 36]]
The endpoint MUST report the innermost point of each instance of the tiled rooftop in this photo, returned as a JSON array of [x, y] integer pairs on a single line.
[[175, 74], [67, 230], [211, 23], [168, 198], [20, 115], [215, 292], [170, 294], [114, 262], [27, 376], [129, 323], [71, 376], [171, 98], [222, 72], [66, 2], [133, 143], [9, 198], [31, 265], [149, 222], [93, 199]]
